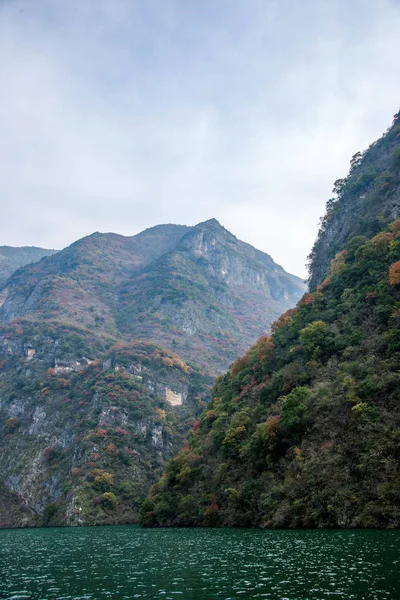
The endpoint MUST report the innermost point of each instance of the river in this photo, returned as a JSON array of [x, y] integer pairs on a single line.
[[124, 562]]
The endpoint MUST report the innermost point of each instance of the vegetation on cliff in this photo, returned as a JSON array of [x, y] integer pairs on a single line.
[[364, 202], [87, 422], [304, 430]]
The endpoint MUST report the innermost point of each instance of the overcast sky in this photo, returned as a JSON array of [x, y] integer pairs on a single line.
[[116, 115]]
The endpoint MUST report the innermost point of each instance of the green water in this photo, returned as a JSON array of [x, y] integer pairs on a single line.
[[129, 562]]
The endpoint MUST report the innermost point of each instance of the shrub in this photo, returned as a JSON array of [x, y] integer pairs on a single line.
[[109, 500], [11, 424], [49, 453], [294, 408], [103, 480], [394, 274], [317, 339]]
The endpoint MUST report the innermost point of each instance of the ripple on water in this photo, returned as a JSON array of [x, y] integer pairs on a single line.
[[129, 562]]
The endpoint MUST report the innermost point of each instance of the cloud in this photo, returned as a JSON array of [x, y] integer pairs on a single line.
[[116, 116]]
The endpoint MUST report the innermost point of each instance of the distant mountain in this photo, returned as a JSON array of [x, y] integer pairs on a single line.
[[12, 259], [208, 298], [199, 291]]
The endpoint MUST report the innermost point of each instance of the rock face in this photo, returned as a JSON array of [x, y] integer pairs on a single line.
[[209, 298], [77, 429], [199, 291], [12, 259], [366, 200]]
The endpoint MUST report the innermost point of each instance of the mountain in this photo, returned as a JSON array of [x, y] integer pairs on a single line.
[[207, 299], [86, 422], [12, 259], [80, 283], [199, 291], [304, 429], [364, 202], [92, 401]]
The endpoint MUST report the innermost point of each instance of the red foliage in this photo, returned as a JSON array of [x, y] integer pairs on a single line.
[[324, 284], [239, 365], [245, 390], [121, 431], [273, 426], [327, 445], [305, 300], [396, 227], [129, 451], [394, 273], [111, 449], [48, 453], [283, 320], [117, 346], [265, 348]]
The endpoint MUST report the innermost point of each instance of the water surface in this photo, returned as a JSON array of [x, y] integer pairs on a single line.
[[128, 562]]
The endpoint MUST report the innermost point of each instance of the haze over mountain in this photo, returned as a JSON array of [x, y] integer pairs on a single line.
[[196, 290], [12, 259], [182, 111]]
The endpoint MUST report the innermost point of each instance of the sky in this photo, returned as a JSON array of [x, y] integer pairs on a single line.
[[117, 115]]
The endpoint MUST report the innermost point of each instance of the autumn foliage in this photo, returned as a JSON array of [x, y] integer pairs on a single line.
[[394, 273]]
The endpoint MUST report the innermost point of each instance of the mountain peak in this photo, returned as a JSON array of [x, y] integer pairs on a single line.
[[210, 223]]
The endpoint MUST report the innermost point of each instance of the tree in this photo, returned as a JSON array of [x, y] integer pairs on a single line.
[[394, 273], [294, 409], [316, 339], [109, 500]]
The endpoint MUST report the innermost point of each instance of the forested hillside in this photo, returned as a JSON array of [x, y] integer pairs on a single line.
[[304, 429]]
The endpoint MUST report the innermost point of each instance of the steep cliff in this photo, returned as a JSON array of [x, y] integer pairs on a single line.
[[86, 423], [364, 202]]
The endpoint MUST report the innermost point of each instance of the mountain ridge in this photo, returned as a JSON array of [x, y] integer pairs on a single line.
[[96, 281]]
